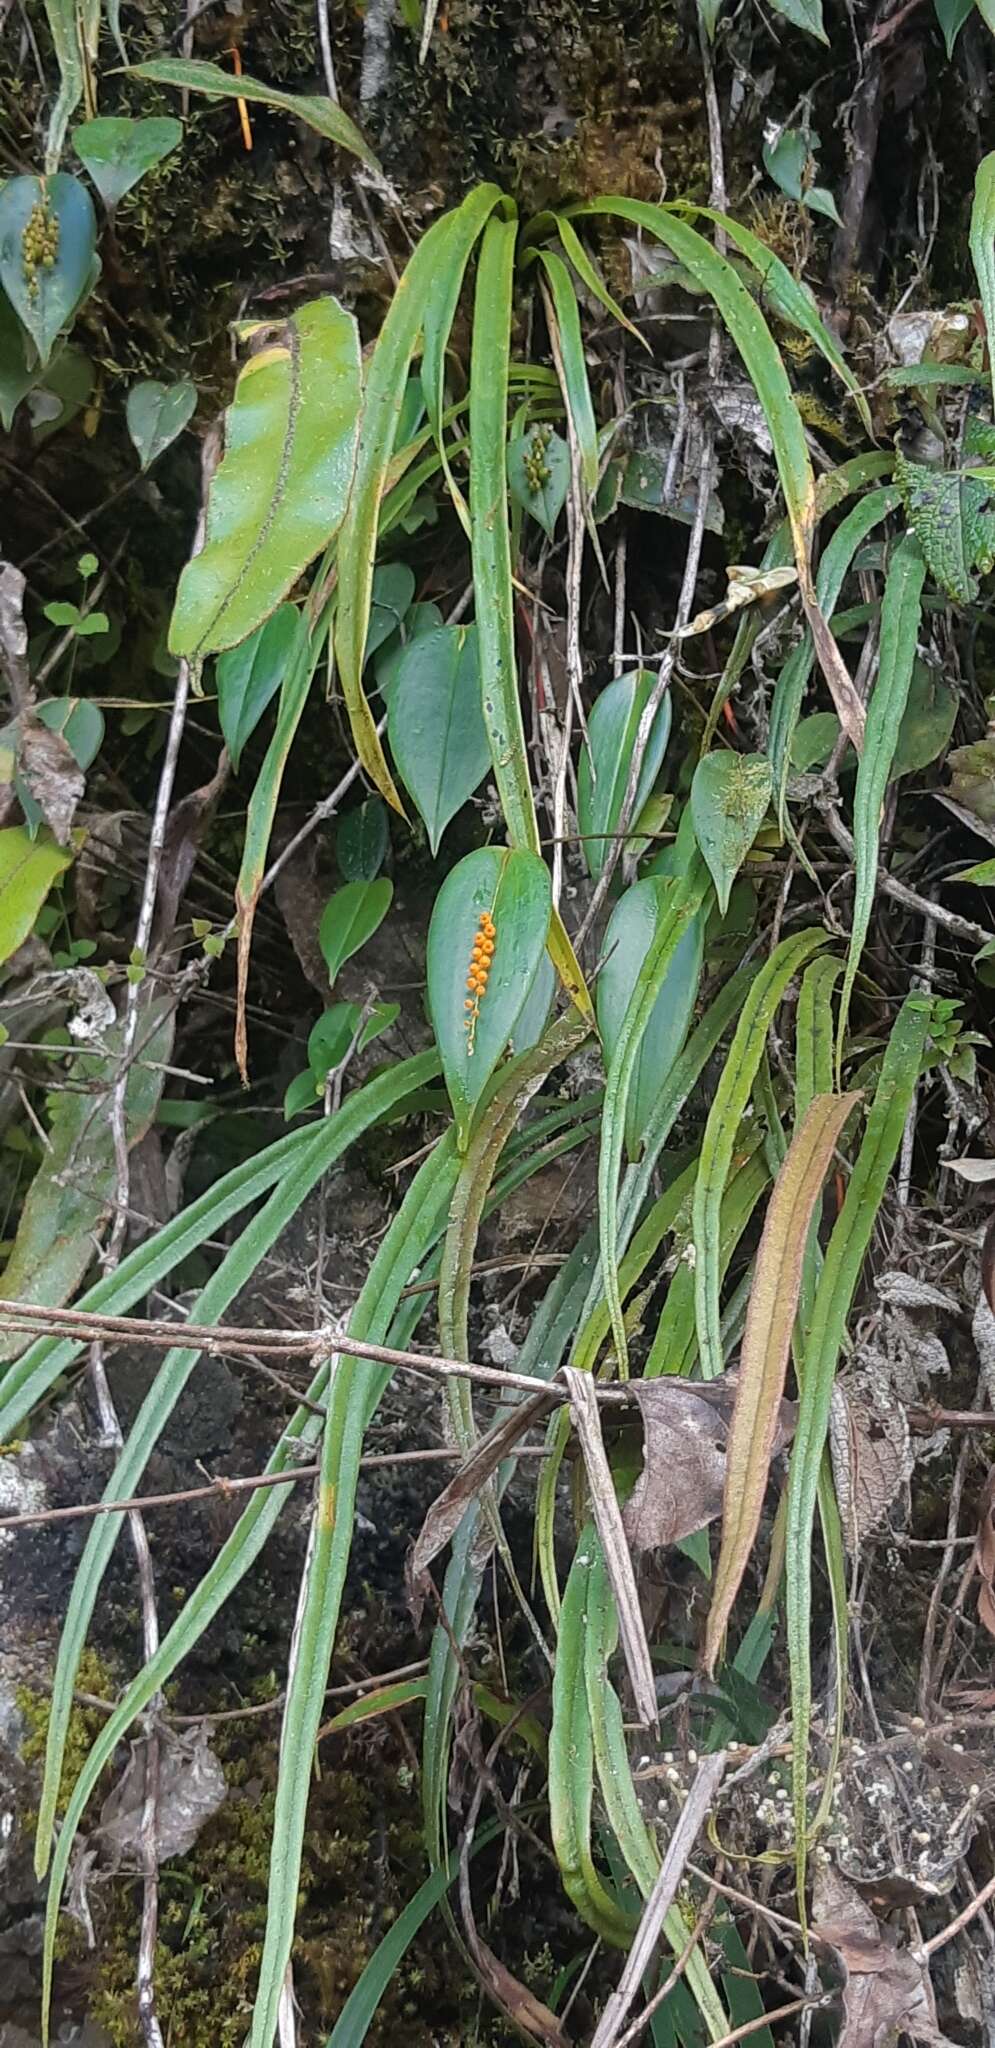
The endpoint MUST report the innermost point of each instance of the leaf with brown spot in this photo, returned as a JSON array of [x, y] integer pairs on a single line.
[[770, 1320], [680, 1487]]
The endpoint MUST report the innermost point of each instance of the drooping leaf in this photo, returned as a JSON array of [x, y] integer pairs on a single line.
[[575, 384], [900, 615], [80, 723], [612, 727], [436, 726], [118, 151], [627, 941], [729, 798], [763, 1365], [983, 247], [539, 474], [510, 891], [28, 869], [249, 676], [194, 74], [48, 239], [349, 918], [156, 414], [361, 841], [280, 491]]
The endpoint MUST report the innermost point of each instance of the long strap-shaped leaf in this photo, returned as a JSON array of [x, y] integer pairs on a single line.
[[765, 368], [900, 614], [577, 390], [326, 1144], [411, 1235], [766, 1344], [674, 1349], [844, 1258], [448, 242], [194, 74], [731, 1098], [983, 249], [689, 894]]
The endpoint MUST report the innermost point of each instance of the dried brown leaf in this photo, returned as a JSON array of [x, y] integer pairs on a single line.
[[185, 828], [14, 635], [886, 1990], [681, 1485], [52, 774], [984, 1555], [446, 1513], [870, 1448], [613, 1533]]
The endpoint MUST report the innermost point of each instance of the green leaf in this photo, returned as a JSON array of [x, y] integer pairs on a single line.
[[574, 379], [48, 239], [156, 414], [74, 26], [950, 513], [249, 676], [391, 593], [80, 723], [301, 1093], [901, 609], [436, 726], [982, 874], [612, 727], [539, 474], [349, 918], [982, 241], [927, 722], [192, 74], [330, 1038], [28, 869], [951, 15], [708, 15], [627, 941], [280, 491], [422, 618], [117, 152], [361, 841], [813, 741], [729, 799], [718, 1144], [806, 14], [510, 888], [787, 159], [435, 267]]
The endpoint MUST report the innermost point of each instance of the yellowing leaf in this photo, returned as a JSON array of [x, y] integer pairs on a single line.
[[27, 870]]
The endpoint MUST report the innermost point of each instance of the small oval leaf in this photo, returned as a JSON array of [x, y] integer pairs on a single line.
[[503, 900], [156, 413], [539, 473], [349, 918], [48, 238], [729, 798], [362, 840], [248, 677], [436, 726], [604, 767]]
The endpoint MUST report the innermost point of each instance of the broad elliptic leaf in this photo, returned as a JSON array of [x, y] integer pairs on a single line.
[[249, 676], [349, 918], [436, 726], [927, 722], [156, 413], [361, 840], [604, 764], [627, 941], [951, 15], [502, 898], [27, 870], [280, 491], [48, 239], [118, 151], [539, 473], [729, 798], [194, 74]]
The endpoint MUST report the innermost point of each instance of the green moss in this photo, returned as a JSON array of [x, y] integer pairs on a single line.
[[95, 1676]]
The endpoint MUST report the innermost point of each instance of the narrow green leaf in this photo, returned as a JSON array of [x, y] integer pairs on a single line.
[[156, 414], [74, 26], [844, 1258], [436, 726], [28, 869], [509, 891], [630, 933], [717, 1146], [571, 1767], [349, 918], [118, 151], [48, 240], [983, 248], [592, 278], [194, 74], [576, 388], [280, 491], [900, 615], [612, 727], [729, 798]]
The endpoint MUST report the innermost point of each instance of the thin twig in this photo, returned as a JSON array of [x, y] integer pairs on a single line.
[[958, 927]]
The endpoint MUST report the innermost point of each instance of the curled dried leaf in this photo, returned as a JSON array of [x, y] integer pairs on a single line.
[[681, 1485]]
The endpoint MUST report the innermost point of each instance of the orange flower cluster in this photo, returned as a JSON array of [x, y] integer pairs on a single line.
[[480, 967]]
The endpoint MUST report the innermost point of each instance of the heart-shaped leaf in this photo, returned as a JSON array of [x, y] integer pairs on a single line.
[[729, 797], [349, 918], [538, 474], [117, 152], [249, 676], [631, 930], [80, 723], [48, 239], [436, 725], [422, 618], [499, 899], [604, 765], [362, 840], [156, 413]]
